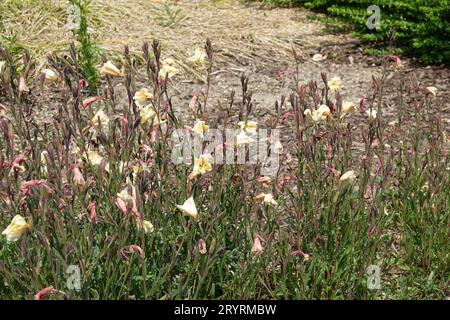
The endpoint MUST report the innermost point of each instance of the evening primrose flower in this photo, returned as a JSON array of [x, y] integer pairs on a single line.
[[335, 83], [373, 114], [78, 178], [432, 90], [198, 58], [348, 107], [146, 225], [257, 247], [93, 157], [202, 246], [126, 196], [100, 119], [109, 69], [2, 67], [266, 198], [201, 165], [189, 208], [168, 69], [243, 138], [278, 147], [146, 114], [349, 175], [248, 126], [23, 85], [16, 228], [200, 127], [50, 75], [142, 97], [318, 115]]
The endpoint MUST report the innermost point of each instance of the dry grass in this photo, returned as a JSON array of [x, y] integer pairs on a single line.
[[244, 32]]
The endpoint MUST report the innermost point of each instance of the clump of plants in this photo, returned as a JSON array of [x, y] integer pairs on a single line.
[[422, 26], [94, 205], [88, 57]]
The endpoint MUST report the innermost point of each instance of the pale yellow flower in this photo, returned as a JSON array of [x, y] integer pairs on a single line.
[[142, 97], [44, 155], [349, 175], [267, 198], [168, 69], [335, 83], [278, 147], [50, 75], [248, 126], [93, 157], [100, 119], [318, 57], [318, 115], [201, 165], [198, 58], [146, 114], [16, 228], [200, 127], [189, 208], [243, 138], [348, 107], [373, 114], [432, 90], [126, 196], [168, 62], [2, 67], [109, 69], [146, 225]]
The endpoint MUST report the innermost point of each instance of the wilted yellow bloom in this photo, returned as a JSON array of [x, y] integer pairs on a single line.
[[146, 114], [201, 165], [168, 68], [16, 228], [50, 75], [109, 69], [335, 83], [348, 107], [189, 208], [278, 147], [243, 138], [318, 115], [100, 119], [146, 225], [2, 67], [267, 198], [373, 114], [168, 62], [257, 247], [248, 126], [44, 155], [142, 97], [349, 175], [126, 196], [200, 127], [93, 158], [318, 57], [199, 57], [432, 90]]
